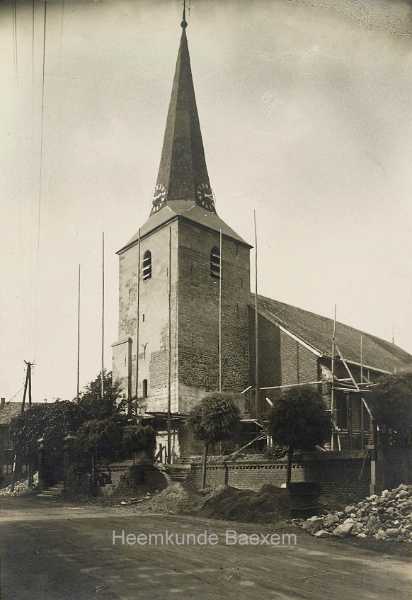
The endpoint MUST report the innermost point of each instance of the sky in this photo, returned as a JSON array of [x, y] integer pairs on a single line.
[[305, 113]]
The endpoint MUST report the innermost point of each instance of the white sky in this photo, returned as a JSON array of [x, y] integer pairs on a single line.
[[305, 108]]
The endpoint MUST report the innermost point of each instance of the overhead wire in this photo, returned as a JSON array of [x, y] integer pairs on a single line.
[[15, 54], [41, 155]]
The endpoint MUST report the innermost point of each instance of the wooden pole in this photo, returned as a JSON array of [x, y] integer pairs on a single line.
[[332, 395], [256, 322], [102, 372], [29, 382], [362, 421], [169, 378], [26, 381], [220, 307], [78, 336], [138, 318]]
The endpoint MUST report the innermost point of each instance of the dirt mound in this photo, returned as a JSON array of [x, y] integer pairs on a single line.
[[384, 517], [176, 498], [267, 505]]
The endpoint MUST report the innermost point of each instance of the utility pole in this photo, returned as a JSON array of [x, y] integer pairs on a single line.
[[27, 386]]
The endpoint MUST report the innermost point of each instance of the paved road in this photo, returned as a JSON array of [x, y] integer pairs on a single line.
[[60, 552]]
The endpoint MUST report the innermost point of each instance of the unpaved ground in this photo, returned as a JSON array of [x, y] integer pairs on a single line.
[[56, 551]]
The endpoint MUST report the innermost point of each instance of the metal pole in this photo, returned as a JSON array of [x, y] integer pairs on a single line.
[[256, 321], [78, 337], [220, 308], [169, 378], [138, 319], [102, 372]]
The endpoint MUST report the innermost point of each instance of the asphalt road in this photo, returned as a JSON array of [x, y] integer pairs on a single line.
[[54, 551]]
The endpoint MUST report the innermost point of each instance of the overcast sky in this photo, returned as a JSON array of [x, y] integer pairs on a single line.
[[305, 108]]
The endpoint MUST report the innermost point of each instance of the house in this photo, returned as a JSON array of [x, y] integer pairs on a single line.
[[187, 315], [8, 410]]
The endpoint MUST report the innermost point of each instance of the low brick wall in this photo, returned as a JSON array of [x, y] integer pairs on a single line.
[[344, 477]]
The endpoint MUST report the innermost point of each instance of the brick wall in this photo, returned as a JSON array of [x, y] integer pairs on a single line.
[[198, 315], [154, 319], [340, 476], [195, 301], [394, 466], [298, 364], [282, 360]]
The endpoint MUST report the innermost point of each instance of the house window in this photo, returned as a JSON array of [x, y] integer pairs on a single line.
[[147, 265], [144, 388], [215, 263]]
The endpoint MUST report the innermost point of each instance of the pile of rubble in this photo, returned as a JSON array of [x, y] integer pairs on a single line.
[[384, 517], [20, 488]]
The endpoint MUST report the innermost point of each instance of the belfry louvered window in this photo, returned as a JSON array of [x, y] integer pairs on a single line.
[[215, 263], [147, 265]]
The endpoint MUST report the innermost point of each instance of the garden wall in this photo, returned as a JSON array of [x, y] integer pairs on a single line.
[[344, 477]]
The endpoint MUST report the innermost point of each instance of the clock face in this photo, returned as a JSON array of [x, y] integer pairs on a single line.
[[205, 197], [159, 197]]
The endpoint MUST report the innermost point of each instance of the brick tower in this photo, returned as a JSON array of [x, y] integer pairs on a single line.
[[167, 354]]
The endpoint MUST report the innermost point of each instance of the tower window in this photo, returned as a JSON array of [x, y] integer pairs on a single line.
[[147, 265], [215, 263]]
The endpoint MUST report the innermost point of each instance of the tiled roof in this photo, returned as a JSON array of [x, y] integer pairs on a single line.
[[189, 211], [316, 331]]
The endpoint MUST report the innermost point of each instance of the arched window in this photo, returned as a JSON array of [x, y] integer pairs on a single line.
[[147, 265], [215, 262]]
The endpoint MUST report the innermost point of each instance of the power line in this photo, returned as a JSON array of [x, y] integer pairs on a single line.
[[42, 123], [14, 9], [33, 17], [41, 157]]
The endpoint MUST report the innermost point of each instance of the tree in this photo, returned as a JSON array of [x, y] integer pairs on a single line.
[[139, 438], [216, 418], [25, 430], [53, 422], [48, 421], [391, 404], [91, 403], [299, 421], [98, 439]]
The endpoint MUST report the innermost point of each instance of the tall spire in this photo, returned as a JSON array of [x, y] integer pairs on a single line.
[[183, 172]]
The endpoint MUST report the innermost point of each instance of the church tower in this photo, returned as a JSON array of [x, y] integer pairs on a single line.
[[183, 264]]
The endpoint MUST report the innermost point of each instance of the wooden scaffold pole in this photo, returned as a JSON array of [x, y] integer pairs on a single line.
[[220, 306], [332, 394], [139, 251], [169, 375], [257, 383]]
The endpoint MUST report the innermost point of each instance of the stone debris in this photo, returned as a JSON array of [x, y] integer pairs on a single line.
[[387, 517], [21, 488]]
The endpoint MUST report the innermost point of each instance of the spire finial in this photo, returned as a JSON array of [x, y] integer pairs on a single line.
[[184, 22]]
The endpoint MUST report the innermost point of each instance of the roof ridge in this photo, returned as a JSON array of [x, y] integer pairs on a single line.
[[380, 349]]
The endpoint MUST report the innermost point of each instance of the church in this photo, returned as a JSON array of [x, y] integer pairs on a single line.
[[189, 323]]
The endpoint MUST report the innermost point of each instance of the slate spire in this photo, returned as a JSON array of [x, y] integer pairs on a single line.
[[183, 172]]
